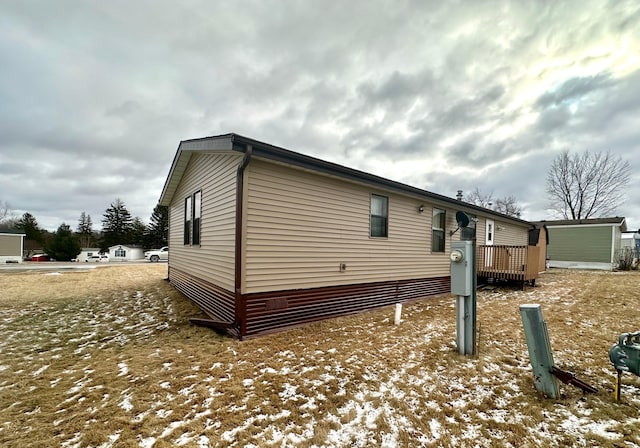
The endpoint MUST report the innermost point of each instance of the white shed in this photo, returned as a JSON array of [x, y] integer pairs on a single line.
[[122, 252]]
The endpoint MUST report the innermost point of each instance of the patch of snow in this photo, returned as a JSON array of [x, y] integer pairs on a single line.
[[35, 411], [163, 413], [289, 392], [126, 402], [124, 369], [171, 427], [436, 428], [580, 426], [113, 438], [184, 439], [148, 442], [72, 442], [40, 370]]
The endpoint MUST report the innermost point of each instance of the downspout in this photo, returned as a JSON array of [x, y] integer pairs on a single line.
[[240, 311]]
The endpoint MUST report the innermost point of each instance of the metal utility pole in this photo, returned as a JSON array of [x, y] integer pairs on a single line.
[[463, 284]]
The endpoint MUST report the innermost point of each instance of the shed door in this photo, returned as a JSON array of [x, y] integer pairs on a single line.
[[489, 234]]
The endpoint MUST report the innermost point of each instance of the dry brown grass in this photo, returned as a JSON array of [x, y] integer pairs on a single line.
[[108, 358]]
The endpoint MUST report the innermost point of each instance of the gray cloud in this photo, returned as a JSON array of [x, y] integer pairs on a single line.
[[94, 98]]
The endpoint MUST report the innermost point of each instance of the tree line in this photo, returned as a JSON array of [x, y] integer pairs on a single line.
[[118, 227], [579, 186]]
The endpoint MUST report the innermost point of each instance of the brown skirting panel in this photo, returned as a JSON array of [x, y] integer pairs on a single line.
[[216, 302], [273, 311]]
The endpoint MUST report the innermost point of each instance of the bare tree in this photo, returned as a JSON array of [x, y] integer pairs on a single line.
[[587, 185], [7, 216], [477, 197], [507, 205], [5, 210]]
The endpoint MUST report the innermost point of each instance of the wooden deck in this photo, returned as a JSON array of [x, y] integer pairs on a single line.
[[512, 263]]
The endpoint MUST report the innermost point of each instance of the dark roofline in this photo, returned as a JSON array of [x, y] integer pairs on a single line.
[[278, 154], [619, 220], [12, 232]]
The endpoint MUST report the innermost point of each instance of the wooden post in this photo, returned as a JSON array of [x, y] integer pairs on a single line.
[[535, 330]]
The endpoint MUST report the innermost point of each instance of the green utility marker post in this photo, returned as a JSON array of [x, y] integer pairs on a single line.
[[535, 330]]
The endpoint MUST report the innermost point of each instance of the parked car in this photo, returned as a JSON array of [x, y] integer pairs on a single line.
[[97, 259], [156, 255], [40, 257]]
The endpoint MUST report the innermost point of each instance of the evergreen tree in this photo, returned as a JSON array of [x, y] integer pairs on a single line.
[[158, 229], [84, 230], [29, 225], [117, 225], [138, 230], [63, 246]]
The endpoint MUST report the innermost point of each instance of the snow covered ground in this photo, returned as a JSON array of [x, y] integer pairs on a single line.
[[127, 369]]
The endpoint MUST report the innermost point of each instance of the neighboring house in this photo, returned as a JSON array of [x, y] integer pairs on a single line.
[[121, 252], [87, 252], [11, 246], [630, 240], [262, 238], [584, 243]]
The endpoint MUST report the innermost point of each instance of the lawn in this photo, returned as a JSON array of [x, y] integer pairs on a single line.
[[107, 358]]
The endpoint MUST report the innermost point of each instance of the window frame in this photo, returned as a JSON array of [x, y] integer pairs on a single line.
[[196, 218], [440, 230], [374, 219], [187, 220]]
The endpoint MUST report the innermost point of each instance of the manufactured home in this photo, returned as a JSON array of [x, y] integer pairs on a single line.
[[584, 243], [123, 252], [262, 238], [11, 246]]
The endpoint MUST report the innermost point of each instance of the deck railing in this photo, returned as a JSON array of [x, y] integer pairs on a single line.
[[508, 262]]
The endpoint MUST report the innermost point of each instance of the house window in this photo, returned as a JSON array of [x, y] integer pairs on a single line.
[[197, 202], [120, 253], [437, 226], [379, 216], [187, 220]]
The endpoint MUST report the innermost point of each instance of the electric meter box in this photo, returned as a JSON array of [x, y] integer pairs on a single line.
[[461, 268], [629, 348]]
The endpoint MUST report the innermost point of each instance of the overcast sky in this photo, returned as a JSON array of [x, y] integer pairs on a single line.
[[95, 96]]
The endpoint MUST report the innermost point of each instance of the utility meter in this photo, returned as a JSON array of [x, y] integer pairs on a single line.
[[461, 268], [456, 256]]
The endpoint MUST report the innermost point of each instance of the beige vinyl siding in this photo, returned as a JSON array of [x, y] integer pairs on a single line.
[[10, 245], [511, 234], [213, 259], [301, 226]]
